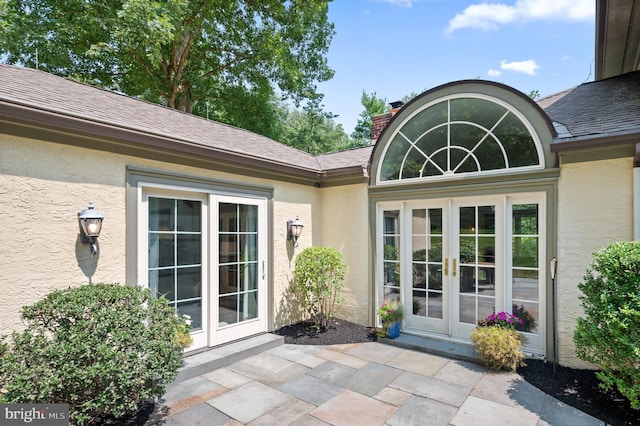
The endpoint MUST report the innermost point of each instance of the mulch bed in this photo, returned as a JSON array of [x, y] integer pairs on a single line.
[[578, 388]]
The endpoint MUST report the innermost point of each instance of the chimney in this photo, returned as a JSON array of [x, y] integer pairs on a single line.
[[379, 122]]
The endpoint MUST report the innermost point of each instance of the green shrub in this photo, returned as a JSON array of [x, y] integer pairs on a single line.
[[609, 334], [499, 347], [103, 349], [318, 281]]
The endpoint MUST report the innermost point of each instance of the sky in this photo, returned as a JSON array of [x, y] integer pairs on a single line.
[[398, 47]]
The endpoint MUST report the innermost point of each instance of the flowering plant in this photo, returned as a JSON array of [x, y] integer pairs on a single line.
[[500, 319], [390, 311]]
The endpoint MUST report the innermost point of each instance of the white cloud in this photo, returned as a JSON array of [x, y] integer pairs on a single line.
[[404, 3], [527, 67], [489, 16], [565, 58], [494, 73]]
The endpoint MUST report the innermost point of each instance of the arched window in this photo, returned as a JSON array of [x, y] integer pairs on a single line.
[[460, 135]]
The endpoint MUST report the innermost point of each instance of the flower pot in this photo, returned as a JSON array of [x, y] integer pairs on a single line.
[[393, 330]]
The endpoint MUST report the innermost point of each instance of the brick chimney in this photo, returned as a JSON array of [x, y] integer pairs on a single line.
[[379, 122]]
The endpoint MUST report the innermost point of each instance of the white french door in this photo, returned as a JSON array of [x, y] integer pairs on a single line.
[[239, 290], [206, 254], [455, 261]]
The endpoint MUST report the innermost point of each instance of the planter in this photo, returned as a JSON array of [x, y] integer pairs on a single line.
[[393, 330]]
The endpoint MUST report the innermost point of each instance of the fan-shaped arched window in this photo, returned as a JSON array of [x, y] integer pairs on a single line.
[[462, 134]]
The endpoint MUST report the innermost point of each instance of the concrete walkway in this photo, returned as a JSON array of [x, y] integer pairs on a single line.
[[356, 384]]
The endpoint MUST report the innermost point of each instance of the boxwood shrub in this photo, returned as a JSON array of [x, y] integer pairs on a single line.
[[609, 334], [102, 348]]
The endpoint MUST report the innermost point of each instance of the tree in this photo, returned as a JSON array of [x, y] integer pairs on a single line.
[[181, 53], [372, 106], [534, 94], [313, 130]]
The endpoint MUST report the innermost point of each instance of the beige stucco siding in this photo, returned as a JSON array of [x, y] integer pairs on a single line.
[[42, 187], [594, 210], [343, 213]]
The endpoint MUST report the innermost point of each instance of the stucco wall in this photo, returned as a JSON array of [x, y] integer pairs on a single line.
[[594, 209], [42, 187], [344, 227]]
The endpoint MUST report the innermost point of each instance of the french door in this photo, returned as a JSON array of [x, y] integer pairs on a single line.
[[206, 254], [454, 261]]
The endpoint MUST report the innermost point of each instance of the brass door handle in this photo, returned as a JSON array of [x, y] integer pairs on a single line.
[[446, 266], [454, 266]]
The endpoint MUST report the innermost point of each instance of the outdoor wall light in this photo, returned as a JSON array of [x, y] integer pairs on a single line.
[[90, 221], [294, 229]]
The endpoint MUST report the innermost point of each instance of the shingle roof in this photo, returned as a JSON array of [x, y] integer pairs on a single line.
[[46, 92], [348, 158], [599, 108]]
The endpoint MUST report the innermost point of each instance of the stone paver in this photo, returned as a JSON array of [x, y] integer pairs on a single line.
[[250, 401], [427, 387], [461, 373], [370, 379], [332, 372], [481, 412], [227, 378], [189, 388], [284, 414], [268, 369], [342, 358], [353, 409], [366, 384], [310, 389], [418, 362], [510, 389], [375, 352], [202, 414], [301, 354], [557, 413], [309, 420], [393, 396], [423, 411]]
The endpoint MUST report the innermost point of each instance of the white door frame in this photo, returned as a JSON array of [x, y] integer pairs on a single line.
[[450, 327], [210, 334]]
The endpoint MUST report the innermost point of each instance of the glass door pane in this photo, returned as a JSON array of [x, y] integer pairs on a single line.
[[391, 255], [476, 242], [525, 269], [427, 263], [238, 296], [175, 255]]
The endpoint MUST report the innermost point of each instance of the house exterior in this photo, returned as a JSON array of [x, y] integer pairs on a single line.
[[469, 191]]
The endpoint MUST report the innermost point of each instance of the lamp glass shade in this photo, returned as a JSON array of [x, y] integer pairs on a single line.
[[90, 221], [296, 228], [91, 227]]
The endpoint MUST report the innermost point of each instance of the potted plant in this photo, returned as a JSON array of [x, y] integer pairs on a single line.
[[391, 314], [497, 341]]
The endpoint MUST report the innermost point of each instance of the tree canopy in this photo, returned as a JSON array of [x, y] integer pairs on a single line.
[[313, 130], [372, 106], [231, 57]]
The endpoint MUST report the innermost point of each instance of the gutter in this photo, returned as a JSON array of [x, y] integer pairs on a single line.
[[43, 119], [600, 140]]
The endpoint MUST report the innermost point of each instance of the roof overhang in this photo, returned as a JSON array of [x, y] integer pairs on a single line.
[[617, 37], [113, 138]]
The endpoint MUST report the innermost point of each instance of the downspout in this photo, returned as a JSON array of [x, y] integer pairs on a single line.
[[636, 193]]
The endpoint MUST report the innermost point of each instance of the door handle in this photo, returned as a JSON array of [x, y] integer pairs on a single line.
[[454, 266], [446, 266], [263, 269]]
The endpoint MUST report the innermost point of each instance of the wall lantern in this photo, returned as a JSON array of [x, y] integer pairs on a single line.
[[294, 229], [90, 221]]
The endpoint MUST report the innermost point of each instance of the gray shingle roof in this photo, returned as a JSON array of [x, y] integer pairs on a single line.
[[46, 92], [599, 108]]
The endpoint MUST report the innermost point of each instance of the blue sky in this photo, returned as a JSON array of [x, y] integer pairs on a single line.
[[398, 47]]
